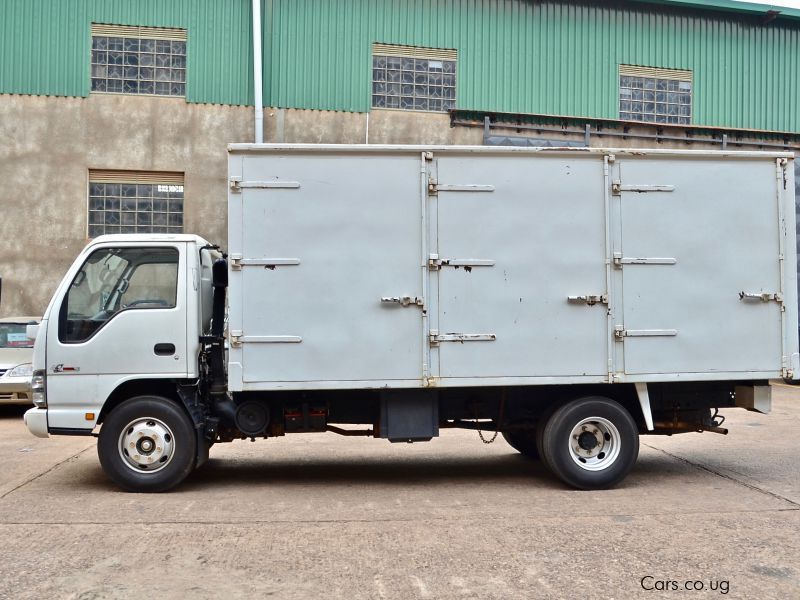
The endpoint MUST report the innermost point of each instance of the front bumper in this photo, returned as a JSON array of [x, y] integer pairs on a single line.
[[36, 422], [15, 390]]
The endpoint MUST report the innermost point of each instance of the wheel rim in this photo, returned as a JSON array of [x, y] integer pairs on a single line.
[[594, 444], [146, 445]]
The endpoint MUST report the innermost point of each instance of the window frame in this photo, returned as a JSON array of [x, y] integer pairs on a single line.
[[63, 313], [416, 53], [678, 79], [136, 178], [156, 34]]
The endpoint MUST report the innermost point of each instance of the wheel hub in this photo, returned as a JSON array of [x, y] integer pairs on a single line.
[[146, 445], [594, 444], [587, 441]]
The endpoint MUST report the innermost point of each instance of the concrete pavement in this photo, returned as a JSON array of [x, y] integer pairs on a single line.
[[319, 515]]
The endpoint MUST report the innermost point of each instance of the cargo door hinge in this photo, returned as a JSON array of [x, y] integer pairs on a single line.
[[236, 184], [237, 261], [617, 187], [436, 338], [434, 187], [238, 338], [620, 333], [620, 260], [435, 263]]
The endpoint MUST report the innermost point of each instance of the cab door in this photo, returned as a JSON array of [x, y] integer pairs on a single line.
[[121, 316]]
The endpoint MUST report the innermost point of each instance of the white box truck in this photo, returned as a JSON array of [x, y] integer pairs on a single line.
[[569, 299]]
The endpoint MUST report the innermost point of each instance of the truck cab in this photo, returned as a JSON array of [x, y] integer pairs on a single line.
[[128, 314]]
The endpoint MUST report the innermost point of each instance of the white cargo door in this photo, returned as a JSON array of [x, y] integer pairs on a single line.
[[699, 246], [518, 235], [316, 241]]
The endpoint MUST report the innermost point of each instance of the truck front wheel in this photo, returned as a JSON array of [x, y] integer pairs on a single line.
[[590, 443], [147, 444]]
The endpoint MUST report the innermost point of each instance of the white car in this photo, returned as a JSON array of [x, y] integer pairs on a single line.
[[16, 353]]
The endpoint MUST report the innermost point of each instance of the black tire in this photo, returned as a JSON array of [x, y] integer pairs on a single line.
[[601, 454], [523, 441], [153, 418], [543, 419]]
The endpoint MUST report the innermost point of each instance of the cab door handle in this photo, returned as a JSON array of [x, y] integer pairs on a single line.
[[164, 349]]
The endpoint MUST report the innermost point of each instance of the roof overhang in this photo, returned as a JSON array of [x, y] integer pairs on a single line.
[[767, 12]]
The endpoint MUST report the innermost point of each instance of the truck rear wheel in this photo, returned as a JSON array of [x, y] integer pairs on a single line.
[[523, 441], [590, 443], [147, 444]]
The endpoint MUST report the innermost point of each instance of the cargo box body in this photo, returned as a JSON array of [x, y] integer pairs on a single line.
[[403, 267]]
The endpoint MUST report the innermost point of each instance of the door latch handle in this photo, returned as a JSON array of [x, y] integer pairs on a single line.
[[589, 300], [164, 349], [403, 300], [763, 296]]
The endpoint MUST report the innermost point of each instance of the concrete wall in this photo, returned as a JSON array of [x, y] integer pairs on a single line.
[[376, 127], [47, 146]]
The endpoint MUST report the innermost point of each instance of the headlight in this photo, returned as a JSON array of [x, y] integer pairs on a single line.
[[25, 370], [38, 389]]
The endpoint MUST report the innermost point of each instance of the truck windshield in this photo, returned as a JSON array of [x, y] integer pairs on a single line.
[[116, 279], [12, 335]]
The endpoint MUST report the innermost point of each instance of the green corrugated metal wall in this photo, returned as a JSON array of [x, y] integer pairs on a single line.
[[45, 44], [557, 58]]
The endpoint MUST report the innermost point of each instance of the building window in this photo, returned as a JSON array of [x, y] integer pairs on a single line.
[[138, 60], [655, 95], [135, 202], [411, 78]]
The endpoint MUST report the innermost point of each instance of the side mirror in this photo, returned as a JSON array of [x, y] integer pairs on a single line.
[[31, 331]]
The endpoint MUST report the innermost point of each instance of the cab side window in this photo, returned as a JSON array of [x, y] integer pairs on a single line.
[[113, 280], [152, 285]]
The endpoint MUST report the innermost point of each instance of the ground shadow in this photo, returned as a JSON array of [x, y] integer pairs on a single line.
[[369, 469], [11, 412], [511, 469]]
